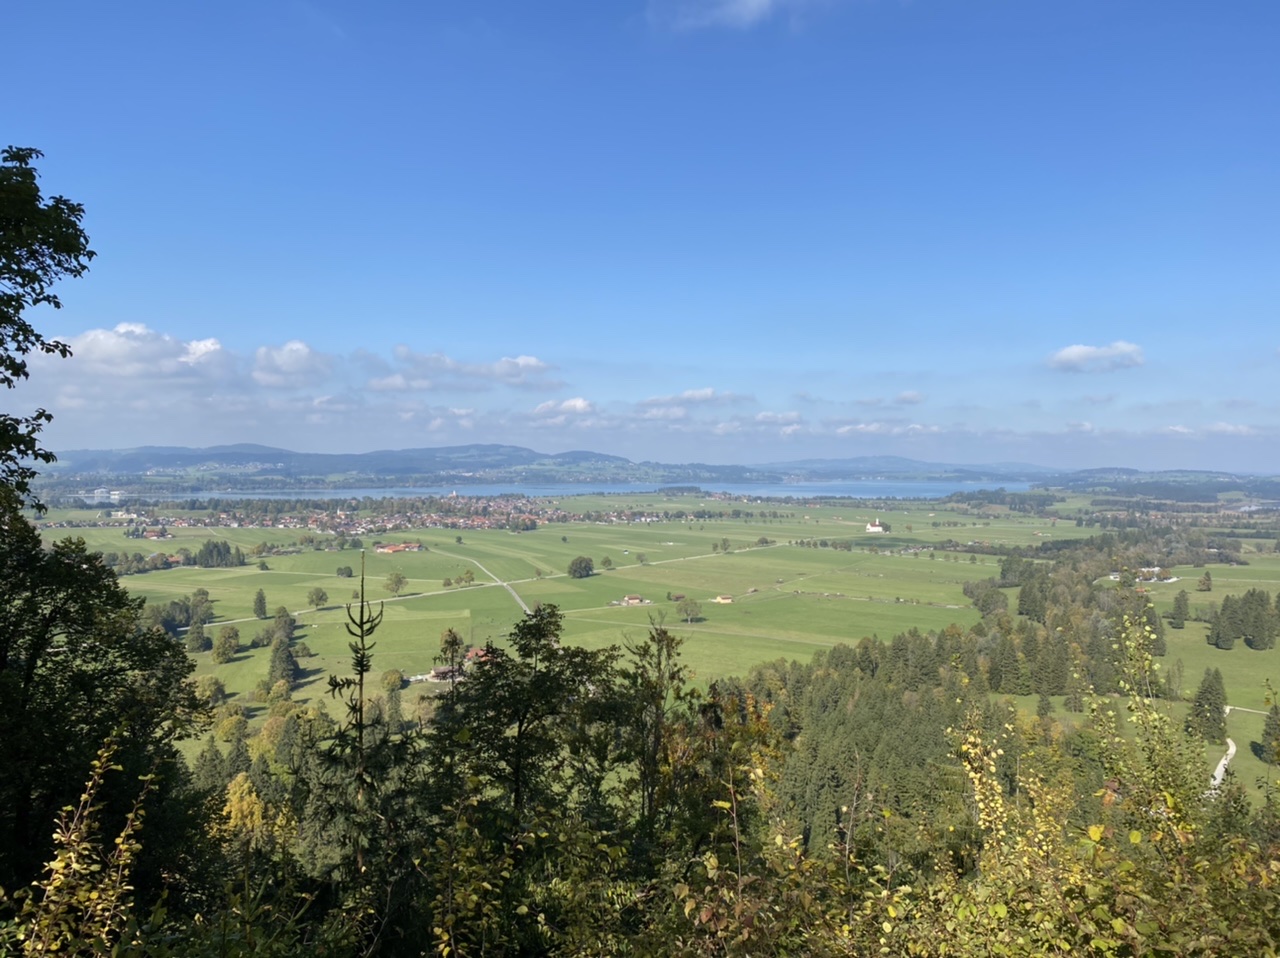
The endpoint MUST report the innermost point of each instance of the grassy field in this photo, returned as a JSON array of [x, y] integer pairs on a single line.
[[787, 600]]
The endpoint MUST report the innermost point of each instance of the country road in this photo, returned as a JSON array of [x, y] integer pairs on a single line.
[[1220, 772]]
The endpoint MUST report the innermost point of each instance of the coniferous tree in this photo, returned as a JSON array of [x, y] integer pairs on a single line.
[[260, 604], [238, 758], [284, 667], [209, 774], [1268, 750], [364, 823], [1208, 717], [1181, 610]]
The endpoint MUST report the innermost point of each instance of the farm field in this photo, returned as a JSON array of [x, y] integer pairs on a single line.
[[787, 600], [784, 599]]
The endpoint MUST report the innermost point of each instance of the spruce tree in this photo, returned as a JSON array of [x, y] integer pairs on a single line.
[[238, 759], [284, 667], [260, 604], [1268, 750], [1181, 610], [210, 771], [1208, 717]]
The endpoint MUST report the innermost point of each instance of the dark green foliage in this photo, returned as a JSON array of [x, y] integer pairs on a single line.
[[284, 625], [260, 604], [209, 774], [218, 554], [238, 759], [284, 667], [178, 614], [1044, 707], [196, 640], [581, 567], [41, 242], [1033, 597], [1181, 610], [1268, 750], [362, 825], [73, 666], [519, 709], [1249, 617], [1207, 717]]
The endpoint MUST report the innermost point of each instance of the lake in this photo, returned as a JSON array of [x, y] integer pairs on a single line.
[[853, 488]]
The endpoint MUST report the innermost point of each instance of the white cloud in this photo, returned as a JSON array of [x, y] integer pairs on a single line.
[[865, 428], [438, 371], [398, 382], [199, 350], [135, 351], [706, 395], [1092, 359], [909, 398], [881, 428], [576, 405], [781, 418], [291, 365]]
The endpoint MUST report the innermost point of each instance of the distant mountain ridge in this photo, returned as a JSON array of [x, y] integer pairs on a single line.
[[251, 465], [476, 456], [385, 462]]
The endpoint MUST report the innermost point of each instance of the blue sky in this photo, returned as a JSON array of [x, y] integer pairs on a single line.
[[713, 230]]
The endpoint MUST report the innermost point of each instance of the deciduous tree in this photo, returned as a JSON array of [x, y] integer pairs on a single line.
[[74, 665], [689, 609], [41, 242], [226, 645]]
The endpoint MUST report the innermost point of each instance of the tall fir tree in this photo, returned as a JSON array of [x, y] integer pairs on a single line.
[[1208, 715]]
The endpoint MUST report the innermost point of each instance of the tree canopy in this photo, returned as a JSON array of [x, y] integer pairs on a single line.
[[41, 242]]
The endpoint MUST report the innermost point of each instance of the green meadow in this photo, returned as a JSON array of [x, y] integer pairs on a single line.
[[785, 600]]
